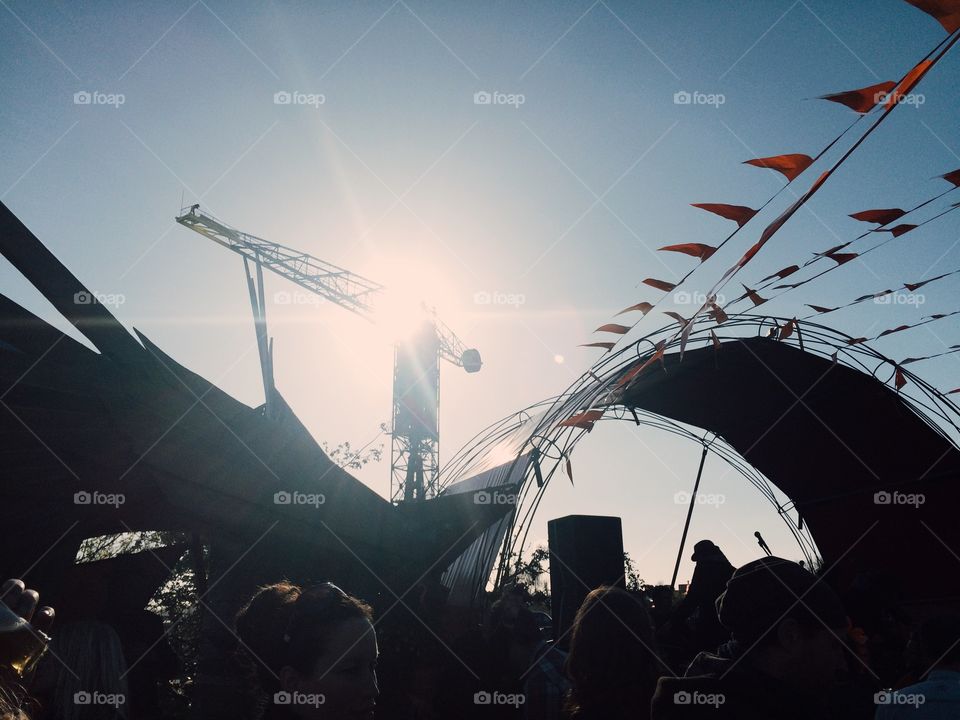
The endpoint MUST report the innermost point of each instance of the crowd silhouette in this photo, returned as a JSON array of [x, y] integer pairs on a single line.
[[766, 640]]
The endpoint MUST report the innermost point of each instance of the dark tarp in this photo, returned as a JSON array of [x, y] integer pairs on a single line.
[[831, 438]]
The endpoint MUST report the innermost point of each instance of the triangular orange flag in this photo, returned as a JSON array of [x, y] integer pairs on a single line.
[[788, 165], [604, 345], [643, 307], [900, 379], [614, 328], [908, 82], [584, 420], [902, 229], [716, 312], [947, 12], [781, 274], [883, 216], [754, 297], [697, 250], [841, 258], [952, 177], [659, 284], [862, 100], [740, 214]]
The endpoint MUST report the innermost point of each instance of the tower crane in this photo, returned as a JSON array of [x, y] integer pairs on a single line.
[[415, 433]]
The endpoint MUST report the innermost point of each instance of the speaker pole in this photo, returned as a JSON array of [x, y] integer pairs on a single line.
[[686, 526]]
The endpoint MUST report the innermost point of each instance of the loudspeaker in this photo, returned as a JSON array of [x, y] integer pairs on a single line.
[[586, 551]]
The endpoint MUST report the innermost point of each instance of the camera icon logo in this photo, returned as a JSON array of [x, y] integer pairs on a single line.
[[82, 498], [482, 97], [82, 698], [682, 698], [482, 698], [482, 497], [682, 97], [282, 698], [282, 498], [82, 98], [282, 98], [882, 498]]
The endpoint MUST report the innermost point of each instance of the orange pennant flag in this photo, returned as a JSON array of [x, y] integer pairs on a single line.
[[908, 83], [946, 12], [643, 307], [781, 274], [883, 216], [604, 345], [898, 328], [900, 379], [740, 214], [697, 250], [902, 229], [716, 340], [614, 328], [787, 330], [841, 258], [788, 165], [584, 420], [821, 308], [754, 296], [631, 374], [676, 316], [864, 99], [659, 284], [716, 312], [952, 177]]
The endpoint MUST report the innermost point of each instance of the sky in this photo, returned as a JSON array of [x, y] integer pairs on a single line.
[[528, 220]]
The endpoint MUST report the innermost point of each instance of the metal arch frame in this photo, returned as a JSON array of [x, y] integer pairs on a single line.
[[539, 423]]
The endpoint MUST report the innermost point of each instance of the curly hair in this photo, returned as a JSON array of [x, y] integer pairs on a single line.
[[285, 624]]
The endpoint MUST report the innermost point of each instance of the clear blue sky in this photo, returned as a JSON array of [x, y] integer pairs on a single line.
[[398, 174]]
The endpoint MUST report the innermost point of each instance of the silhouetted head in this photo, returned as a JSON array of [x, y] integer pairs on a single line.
[[85, 659], [790, 623], [315, 651], [612, 664]]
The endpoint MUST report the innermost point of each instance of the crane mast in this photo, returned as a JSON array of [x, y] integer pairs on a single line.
[[415, 435]]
